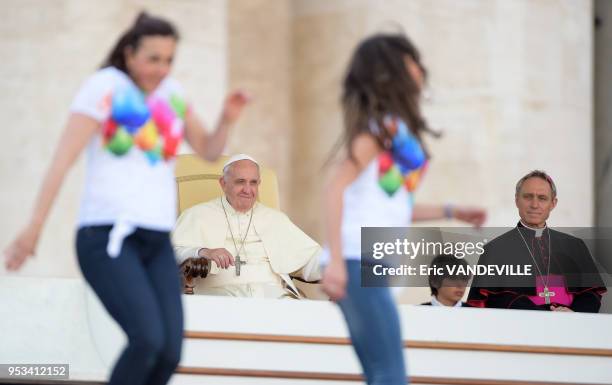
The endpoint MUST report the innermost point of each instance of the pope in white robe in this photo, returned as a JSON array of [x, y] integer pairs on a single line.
[[252, 250]]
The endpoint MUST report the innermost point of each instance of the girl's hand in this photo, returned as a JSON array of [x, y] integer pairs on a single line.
[[475, 216], [234, 103], [21, 248], [334, 280]]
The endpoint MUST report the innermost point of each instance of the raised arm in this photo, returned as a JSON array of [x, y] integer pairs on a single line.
[[210, 146], [77, 133]]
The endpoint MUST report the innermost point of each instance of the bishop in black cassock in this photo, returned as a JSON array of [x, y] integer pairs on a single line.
[[563, 273]]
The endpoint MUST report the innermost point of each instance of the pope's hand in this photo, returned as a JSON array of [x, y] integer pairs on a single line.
[[334, 280], [21, 248], [221, 257]]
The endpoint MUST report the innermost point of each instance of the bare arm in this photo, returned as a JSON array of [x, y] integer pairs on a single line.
[[473, 215], [422, 212], [365, 149], [210, 146], [77, 133], [207, 146]]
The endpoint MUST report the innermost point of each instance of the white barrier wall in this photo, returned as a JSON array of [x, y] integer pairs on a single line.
[[60, 321]]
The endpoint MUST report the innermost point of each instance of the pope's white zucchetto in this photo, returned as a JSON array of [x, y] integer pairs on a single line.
[[236, 158]]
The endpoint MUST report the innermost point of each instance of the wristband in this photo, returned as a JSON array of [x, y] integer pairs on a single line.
[[448, 211]]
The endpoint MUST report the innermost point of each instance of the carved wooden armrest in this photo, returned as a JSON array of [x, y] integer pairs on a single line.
[[193, 268]]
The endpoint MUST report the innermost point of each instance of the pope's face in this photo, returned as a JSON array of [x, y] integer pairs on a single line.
[[241, 184], [535, 202]]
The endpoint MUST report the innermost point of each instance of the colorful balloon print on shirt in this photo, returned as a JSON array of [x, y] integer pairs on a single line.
[[121, 142], [405, 163], [179, 106], [128, 109], [147, 137], [154, 125]]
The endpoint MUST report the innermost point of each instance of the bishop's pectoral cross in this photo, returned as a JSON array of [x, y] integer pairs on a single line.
[[546, 294], [240, 262]]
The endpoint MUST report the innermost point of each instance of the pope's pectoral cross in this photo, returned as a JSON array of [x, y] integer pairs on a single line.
[[240, 262], [546, 294]]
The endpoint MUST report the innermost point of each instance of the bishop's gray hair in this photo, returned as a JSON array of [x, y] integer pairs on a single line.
[[537, 174]]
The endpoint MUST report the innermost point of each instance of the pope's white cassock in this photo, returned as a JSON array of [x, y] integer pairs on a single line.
[[274, 249]]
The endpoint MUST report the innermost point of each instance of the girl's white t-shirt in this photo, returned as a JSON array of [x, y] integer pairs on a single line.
[[136, 188], [365, 204]]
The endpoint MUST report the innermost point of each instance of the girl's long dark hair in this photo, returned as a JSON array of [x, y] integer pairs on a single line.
[[143, 26], [377, 85]]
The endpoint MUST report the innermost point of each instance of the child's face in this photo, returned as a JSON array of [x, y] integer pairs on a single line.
[[452, 291], [415, 72], [151, 62]]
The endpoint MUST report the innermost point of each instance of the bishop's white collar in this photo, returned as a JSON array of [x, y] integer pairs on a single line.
[[538, 232]]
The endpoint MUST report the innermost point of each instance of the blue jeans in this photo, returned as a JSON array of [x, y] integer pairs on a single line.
[[141, 291], [374, 327]]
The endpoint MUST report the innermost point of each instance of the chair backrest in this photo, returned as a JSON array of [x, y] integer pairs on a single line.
[[197, 181]]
